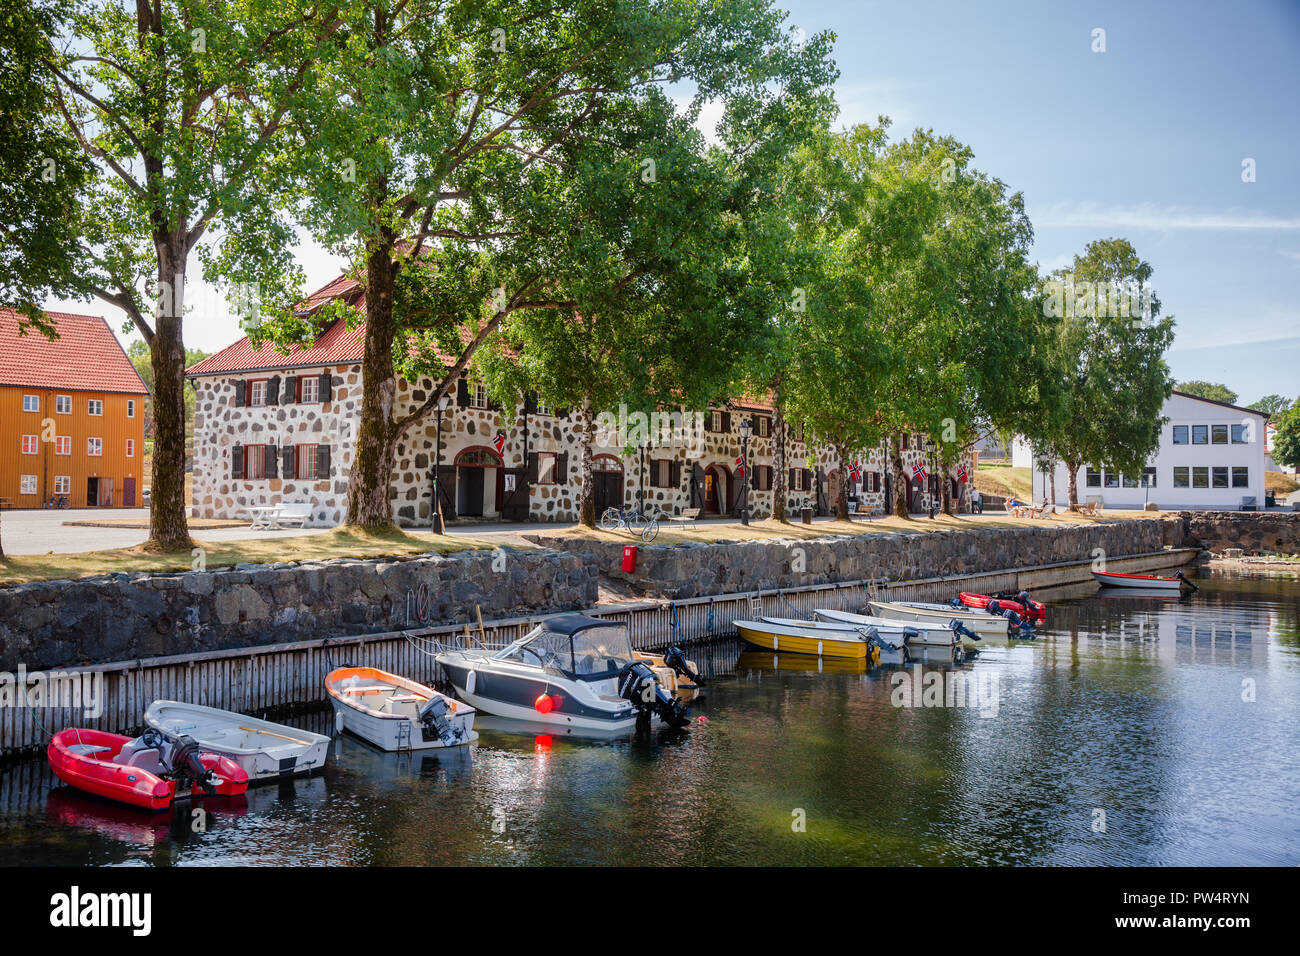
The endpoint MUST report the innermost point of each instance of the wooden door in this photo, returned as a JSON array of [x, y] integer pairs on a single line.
[[469, 491], [607, 488], [128, 492]]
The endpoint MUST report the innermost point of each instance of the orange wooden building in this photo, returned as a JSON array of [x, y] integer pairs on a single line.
[[71, 416]]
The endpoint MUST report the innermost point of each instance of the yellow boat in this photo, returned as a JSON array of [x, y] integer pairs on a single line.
[[767, 661]]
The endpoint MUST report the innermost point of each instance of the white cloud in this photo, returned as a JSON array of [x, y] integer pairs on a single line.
[[1091, 215]]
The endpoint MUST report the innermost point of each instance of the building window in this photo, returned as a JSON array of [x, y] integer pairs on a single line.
[[1200, 477], [27, 485], [94, 407], [715, 419], [63, 404], [661, 471], [254, 461], [798, 480], [1129, 482], [544, 409], [764, 427], [130, 408], [309, 389], [257, 393], [29, 444], [1092, 477], [1110, 477], [1181, 477], [762, 477], [304, 464], [1200, 434], [1149, 477], [130, 448], [1220, 477], [546, 467], [1180, 434], [94, 447], [797, 432], [31, 403], [1240, 435], [62, 484], [1241, 477], [63, 444], [1219, 434], [478, 395]]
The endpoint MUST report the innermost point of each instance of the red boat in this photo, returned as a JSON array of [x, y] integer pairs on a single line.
[[1032, 611], [149, 771]]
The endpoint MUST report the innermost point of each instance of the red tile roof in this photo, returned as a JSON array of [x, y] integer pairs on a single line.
[[85, 357]]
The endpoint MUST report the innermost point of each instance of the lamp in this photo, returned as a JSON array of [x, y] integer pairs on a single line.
[[439, 522]]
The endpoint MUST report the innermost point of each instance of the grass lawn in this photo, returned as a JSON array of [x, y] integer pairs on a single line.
[[768, 530], [1004, 481], [341, 542], [1279, 483]]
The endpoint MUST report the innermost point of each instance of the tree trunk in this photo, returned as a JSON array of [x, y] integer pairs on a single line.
[[587, 501], [1072, 483], [945, 486], [842, 491], [901, 483], [778, 459], [370, 481], [168, 528]]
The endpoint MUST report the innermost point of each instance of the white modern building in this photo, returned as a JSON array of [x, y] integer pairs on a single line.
[[1211, 456]]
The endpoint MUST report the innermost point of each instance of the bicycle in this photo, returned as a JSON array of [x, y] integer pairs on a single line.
[[57, 501], [633, 520]]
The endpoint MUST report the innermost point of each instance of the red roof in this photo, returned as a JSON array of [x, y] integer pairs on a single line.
[[86, 356]]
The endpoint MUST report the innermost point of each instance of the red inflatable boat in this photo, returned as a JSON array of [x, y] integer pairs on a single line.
[[139, 771], [1032, 611]]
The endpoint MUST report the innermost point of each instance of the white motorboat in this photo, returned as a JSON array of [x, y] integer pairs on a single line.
[[981, 622], [395, 713], [265, 751], [1176, 582], [569, 671], [930, 633]]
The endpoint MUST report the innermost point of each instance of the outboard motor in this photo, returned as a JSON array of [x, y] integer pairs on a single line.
[[1183, 578], [433, 716], [676, 659], [956, 603], [1015, 620], [638, 686], [184, 759], [957, 627]]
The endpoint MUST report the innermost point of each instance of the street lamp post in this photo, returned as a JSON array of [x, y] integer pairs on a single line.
[[745, 428], [934, 474], [439, 521]]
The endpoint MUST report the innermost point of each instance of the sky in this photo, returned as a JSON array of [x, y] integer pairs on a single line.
[[1145, 140]]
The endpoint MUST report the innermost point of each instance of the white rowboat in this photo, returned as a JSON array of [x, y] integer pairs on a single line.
[[394, 713], [918, 612], [1111, 579], [264, 750]]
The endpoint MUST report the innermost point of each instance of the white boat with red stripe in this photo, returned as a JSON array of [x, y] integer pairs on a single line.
[[1113, 579]]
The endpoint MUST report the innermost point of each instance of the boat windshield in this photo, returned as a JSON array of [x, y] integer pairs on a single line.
[[593, 652]]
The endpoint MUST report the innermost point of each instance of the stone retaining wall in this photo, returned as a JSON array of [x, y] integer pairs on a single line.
[[1276, 532], [117, 617]]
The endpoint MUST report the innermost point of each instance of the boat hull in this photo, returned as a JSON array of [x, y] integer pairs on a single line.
[[266, 751], [795, 640], [983, 624], [100, 775], [1033, 615], [929, 633], [394, 731], [1156, 582]]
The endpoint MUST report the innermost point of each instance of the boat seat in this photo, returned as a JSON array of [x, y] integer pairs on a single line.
[[405, 698], [147, 758], [86, 750]]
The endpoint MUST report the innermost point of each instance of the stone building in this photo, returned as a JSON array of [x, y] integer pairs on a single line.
[[273, 428]]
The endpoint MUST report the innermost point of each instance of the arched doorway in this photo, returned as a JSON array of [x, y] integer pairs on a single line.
[[607, 482], [478, 482], [717, 490]]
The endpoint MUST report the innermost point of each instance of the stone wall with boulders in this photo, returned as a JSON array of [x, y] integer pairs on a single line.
[[1269, 532], [120, 616], [695, 570]]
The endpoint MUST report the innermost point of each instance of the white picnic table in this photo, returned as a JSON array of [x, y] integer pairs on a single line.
[[265, 517]]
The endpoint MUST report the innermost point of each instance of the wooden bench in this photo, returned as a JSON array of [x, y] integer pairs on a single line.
[[686, 516]]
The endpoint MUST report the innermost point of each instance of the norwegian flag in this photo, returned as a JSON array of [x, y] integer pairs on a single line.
[[919, 472], [499, 443], [740, 466], [961, 474], [855, 471]]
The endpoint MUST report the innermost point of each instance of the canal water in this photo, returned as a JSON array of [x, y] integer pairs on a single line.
[[1135, 730]]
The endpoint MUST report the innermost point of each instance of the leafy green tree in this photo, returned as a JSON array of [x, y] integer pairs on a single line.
[[177, 106], [1214, 391], [433, 127], [1286, 442], [138, 352], [1271, 405], [42, 170], [1109, 361]]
